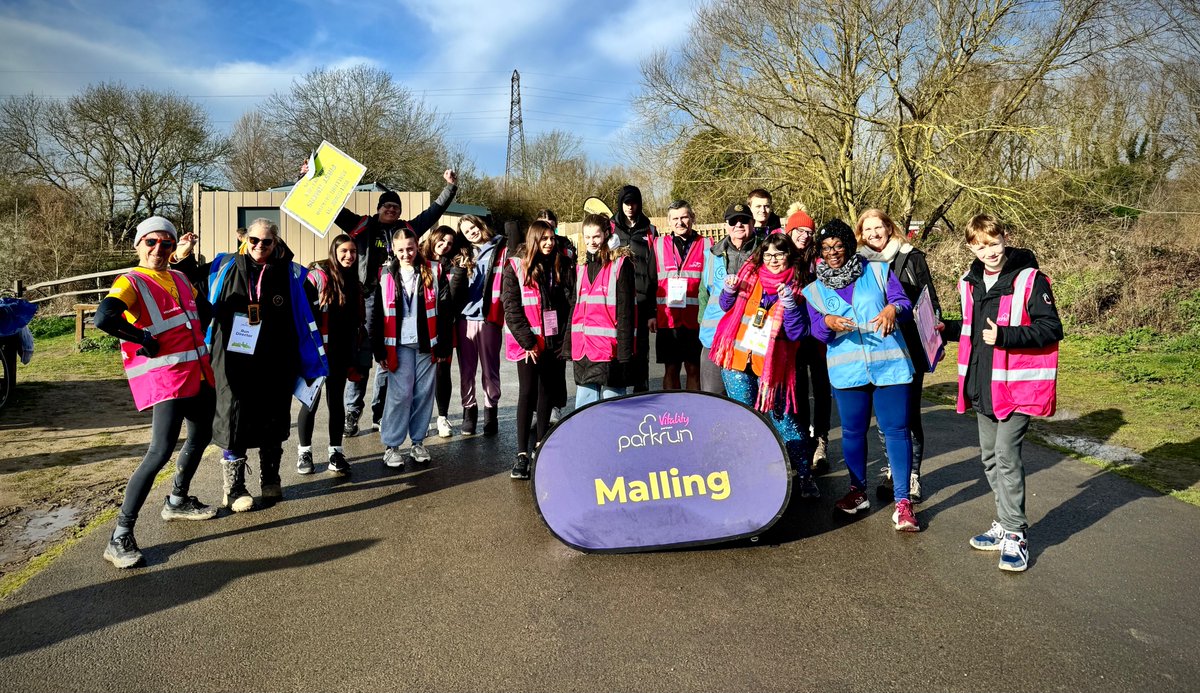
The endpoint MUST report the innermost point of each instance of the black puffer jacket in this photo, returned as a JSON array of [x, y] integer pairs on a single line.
[[611, 373], [1044, 329], [637, 237]]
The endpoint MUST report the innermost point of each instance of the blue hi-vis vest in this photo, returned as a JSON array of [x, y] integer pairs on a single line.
[[312, 347], [713, 278], [862, 356]]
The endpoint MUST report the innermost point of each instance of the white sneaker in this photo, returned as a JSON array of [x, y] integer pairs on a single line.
[[989, 540], [914, 487], [443, 427], [555, 415], [1014, 552], [393, 458], [419, 453]]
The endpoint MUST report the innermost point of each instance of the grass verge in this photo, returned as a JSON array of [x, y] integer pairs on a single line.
[[1137, 390]]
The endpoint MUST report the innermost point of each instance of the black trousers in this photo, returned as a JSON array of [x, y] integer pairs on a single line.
[[169, 416], [335, 393], [538, 390], [812, 369]]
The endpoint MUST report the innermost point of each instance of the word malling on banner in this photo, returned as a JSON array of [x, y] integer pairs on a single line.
[[663, 485], [647, 436]]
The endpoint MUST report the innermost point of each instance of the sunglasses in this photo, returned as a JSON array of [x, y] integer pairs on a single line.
[[151, 242], [737, 221], [266, 242]]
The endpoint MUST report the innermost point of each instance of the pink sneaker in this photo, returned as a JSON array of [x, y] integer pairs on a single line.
[[904, 518]]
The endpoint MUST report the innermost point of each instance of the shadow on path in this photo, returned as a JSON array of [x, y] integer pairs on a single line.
[[63, 616]]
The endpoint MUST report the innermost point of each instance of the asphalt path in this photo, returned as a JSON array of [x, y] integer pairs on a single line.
[[444, 578]]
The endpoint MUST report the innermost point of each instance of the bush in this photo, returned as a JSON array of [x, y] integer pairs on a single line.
[[52, 326], [105, 343]]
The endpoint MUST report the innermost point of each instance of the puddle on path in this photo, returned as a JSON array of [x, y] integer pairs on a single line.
[[44, 525], [1094, 448]]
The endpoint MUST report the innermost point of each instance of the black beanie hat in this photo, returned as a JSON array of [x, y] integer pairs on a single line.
[[630, 194], [836, 228], [387, 197]]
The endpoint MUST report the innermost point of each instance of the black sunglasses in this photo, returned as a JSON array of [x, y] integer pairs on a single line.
[[266, 242], [151, 242]]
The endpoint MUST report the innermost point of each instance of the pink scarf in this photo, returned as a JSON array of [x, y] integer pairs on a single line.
[[779, 363]]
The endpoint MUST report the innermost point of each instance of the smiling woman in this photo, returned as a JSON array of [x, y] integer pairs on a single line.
[[158, 317]]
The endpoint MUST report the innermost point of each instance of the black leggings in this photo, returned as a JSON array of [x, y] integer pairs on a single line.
[[442, 387], [538, 390], [335, 390], [169, 416], [811, 367]]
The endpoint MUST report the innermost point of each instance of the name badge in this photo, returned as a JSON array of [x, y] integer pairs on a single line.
[[549, 323], [245, 336], [758, 334], [676, 292]]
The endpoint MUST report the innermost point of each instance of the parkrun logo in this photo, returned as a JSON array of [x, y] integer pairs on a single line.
[[647, 436], [664, 429]]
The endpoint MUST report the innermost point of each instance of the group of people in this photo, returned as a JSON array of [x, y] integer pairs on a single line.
[[776, 313]]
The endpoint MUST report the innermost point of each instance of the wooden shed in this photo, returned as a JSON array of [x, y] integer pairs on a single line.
[[218, 214]]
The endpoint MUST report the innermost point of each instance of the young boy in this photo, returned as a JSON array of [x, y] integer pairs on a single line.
[[1007, 365]]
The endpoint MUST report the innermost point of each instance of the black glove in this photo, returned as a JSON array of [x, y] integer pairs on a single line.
[[149, 345]]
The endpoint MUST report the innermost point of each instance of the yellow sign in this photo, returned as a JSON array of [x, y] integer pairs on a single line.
[[316, 199]]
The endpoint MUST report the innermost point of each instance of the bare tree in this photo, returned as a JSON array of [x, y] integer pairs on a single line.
[[120, 153], [256, 158], [896, 103], [368, 115]]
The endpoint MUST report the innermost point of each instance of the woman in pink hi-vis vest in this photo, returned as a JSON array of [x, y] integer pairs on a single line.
[[159, 318], [1007, 369]]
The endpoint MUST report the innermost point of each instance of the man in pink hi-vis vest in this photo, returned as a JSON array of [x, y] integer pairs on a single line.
[[1007, 369]]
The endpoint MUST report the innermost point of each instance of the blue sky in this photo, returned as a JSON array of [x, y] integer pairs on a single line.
[[579, 69]]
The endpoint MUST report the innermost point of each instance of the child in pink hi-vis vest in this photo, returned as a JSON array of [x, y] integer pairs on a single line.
[[1007, 370]]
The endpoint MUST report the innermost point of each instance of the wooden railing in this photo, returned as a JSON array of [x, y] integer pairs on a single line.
[[25, 292]]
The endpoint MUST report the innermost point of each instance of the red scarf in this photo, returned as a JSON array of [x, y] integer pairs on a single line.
[[779, 363]]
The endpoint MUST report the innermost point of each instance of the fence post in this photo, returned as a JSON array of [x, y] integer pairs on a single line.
[[19, 288]]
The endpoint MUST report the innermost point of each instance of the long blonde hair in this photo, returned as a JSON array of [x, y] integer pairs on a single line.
[[419, 261]]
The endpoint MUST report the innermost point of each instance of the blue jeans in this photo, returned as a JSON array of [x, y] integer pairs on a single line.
[[742, 386], [891, 412], [586, 394], [409, 402]]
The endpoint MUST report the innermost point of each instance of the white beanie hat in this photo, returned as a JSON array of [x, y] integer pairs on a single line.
[[154, 223]]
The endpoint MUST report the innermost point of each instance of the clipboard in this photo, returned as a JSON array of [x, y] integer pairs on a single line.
[[931, 340]]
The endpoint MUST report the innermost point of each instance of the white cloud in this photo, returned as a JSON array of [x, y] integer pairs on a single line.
[[642, 28]]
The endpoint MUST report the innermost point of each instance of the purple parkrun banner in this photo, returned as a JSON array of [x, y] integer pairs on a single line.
[[660, 470]]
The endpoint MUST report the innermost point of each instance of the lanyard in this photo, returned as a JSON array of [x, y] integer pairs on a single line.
[[250, 288]]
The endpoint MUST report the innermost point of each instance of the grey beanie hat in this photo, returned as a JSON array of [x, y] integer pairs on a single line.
[[154, 223]]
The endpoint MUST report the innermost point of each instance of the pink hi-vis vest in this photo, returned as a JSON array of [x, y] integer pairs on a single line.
[[691, 268], [1023, 380], [495, 311], [594, 320], [531, 303], [391, 326], [182, 360]]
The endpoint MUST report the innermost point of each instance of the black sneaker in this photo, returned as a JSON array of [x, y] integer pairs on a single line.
[[351, 427], [190, 509], [520, 468], [123, 551], [304, 465], [338, 463]]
